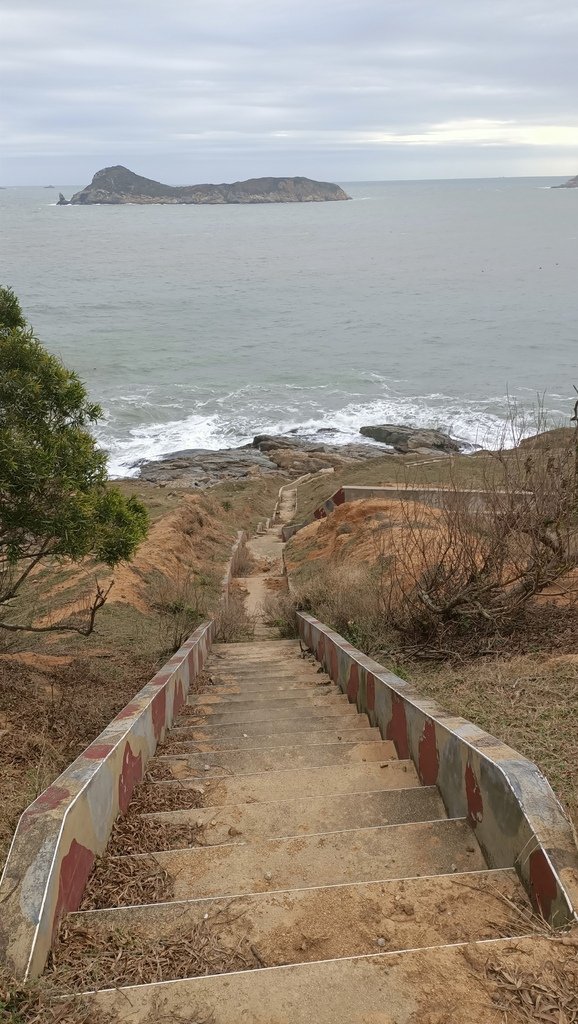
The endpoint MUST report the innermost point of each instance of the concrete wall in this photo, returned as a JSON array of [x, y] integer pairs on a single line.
[[60, 835], [516, 817], [473, 500]]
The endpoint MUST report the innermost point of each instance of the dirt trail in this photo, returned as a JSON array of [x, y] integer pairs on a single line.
[[266, 550]]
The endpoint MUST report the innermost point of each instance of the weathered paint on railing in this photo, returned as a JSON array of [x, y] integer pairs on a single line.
[[60, 835], [509, 803]]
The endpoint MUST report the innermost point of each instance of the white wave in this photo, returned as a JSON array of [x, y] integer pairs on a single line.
[[473, 423]]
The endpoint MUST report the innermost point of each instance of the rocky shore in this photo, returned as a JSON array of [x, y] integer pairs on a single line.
[[290, 454]]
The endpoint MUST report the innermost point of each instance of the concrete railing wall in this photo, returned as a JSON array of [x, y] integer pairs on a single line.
[[437, 497], [61, 834], [515, 815]]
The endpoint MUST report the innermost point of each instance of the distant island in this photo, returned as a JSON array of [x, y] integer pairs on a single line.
[[117, 185], [572, 183]]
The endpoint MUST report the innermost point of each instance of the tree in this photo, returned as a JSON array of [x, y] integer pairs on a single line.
[[55, 502]]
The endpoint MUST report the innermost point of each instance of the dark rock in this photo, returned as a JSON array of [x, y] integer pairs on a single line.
[[62, 201], [411, 439], [290, 456], [571, 183], [118, 185]]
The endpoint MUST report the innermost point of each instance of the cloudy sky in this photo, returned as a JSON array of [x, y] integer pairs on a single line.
[[189, 90]]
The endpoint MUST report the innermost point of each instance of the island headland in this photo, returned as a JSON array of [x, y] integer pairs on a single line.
[[571, 183], [118, 185]]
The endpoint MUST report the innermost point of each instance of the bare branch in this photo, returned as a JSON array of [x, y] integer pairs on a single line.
[[98, 601]]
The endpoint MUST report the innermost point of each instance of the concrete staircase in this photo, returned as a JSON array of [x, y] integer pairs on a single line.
[[326, 871]]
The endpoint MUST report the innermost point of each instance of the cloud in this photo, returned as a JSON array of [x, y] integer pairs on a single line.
[[343, 89]]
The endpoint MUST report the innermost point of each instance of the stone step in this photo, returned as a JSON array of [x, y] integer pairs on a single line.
[[355, 855], [227, 694], [247, 762], [298, 816], [256, 687], [231, 702], [306, 782], [308, 925], [275, 726], [352, 734], [206, 716], [420, 986]]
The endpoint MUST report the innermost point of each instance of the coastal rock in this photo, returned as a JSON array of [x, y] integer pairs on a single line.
[[411, 439], [267, 454], [118, 185], [571, 183]]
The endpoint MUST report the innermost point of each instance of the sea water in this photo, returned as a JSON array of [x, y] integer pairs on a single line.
[[432, 303]]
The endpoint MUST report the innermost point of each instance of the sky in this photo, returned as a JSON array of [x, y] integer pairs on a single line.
[[350, 90]]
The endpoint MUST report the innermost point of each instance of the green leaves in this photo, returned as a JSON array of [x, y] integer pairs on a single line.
[[54, 497]]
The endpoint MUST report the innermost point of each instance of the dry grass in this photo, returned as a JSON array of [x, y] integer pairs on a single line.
[[174, 797], [84, 960], [549, 996], [233, 622], [38, 1003], [126, 881], [280, 610], [135, 834], [530, 702], [244, 562]]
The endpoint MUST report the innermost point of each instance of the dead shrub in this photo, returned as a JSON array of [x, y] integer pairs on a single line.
[[244, 562], [280, 610], [474, 568], [233, 622], [182, 601]]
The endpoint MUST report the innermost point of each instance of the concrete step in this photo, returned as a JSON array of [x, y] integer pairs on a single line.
[[352, 734], [278, 698], [268, 650], [356, 855], [298, 816], [247, 762], [255, 687], [308, 925], [420, 986], [206, 716], [227, 706], [307, 782], [275, 726]]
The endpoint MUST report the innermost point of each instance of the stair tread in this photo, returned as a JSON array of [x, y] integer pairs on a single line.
[[308, 782], [277, 725], [298, 816], [206, 716], [352, 734], [308, 925], [245, 762], [431, 984], [390, 851]]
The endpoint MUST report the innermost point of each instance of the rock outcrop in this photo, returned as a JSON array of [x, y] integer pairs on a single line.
[[571, 183], [267, 454], [411, 439], [117, 185]]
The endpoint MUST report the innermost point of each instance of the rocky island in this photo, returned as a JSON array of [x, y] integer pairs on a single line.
[[118, 185], [572, 183]]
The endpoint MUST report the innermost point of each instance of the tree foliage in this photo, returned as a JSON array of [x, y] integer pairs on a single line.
[[54, 497]]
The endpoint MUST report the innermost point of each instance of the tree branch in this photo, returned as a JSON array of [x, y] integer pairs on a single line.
[[97, 604]]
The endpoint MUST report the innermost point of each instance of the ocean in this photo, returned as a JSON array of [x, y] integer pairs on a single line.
[[437, 303]]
